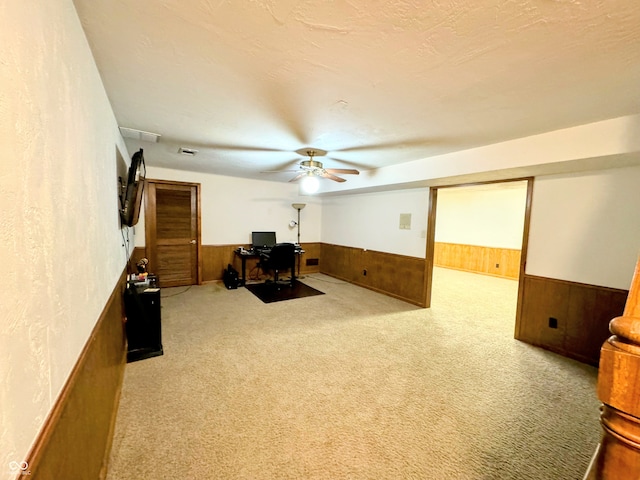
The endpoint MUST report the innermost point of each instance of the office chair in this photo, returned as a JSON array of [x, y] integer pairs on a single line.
[[282, 256]]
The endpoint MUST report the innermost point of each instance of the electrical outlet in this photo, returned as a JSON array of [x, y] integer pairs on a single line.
[[497, 265], [553, 322]]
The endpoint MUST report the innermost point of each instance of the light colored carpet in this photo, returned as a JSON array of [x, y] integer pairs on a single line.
[[353, 385]]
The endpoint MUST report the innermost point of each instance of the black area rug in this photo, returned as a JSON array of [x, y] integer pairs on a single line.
[[268, 293]]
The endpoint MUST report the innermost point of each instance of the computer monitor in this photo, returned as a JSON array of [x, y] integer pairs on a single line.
[[263, 239]]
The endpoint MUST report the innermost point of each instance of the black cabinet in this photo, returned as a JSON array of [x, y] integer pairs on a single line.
[[144, 326]]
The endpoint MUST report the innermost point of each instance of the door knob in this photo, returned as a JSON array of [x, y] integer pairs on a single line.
[[192, 242]]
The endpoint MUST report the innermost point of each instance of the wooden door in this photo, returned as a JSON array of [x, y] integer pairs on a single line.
[[172, 232]]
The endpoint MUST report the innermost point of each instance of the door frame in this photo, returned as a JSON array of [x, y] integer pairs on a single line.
[[431, 240], [150, 221]]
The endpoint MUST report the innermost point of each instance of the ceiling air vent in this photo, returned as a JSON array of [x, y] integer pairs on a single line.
[[139, 135], [187, 151]]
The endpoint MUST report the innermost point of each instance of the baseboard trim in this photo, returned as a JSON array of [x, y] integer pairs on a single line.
[[76, 438]]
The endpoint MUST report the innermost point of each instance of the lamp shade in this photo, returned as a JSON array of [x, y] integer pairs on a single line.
[[298, 206]]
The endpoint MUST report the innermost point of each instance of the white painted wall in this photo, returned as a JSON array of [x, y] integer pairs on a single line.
[[61, 250], [233, 207], [605, 144], [61, 247], [371, 221], [486, 215], [586, 228]]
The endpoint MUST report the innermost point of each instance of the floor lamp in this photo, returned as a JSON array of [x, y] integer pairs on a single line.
[[298, 206]]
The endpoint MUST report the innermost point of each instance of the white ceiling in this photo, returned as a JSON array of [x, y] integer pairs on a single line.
[[375, 83]]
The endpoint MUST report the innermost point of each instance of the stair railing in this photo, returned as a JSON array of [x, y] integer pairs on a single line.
[[618, 454]]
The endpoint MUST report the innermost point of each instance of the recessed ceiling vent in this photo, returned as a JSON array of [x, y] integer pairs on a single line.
[[187, 151], [139, 135]]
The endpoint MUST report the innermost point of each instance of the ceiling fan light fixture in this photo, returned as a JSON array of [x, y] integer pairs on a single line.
[[311, 164], [309, 183]]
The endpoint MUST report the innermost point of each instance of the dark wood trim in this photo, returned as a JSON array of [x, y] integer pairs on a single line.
[[523, 257], [430, 248], [172, 182], [150, 219], [76, 438], [525, 237], [487, 182], [199, 230]]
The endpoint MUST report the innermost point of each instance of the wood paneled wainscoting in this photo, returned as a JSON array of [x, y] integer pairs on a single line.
[[500, 262], [399, 276], [215, 259], [568, 318], [76, 438]]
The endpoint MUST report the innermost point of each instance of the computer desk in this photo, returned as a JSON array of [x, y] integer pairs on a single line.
[[245, 254]]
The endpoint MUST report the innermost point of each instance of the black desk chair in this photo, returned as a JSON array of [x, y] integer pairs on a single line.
[[282, 257]]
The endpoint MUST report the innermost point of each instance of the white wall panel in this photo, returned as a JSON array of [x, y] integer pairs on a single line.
[[234, 207], [61, 247], [586, 227], [372, 221], [486, 215]]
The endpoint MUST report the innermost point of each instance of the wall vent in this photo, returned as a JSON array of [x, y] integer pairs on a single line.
[[187, 151], [139, 135]]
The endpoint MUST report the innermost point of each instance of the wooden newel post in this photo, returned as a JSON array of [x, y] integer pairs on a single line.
[[618, 455]]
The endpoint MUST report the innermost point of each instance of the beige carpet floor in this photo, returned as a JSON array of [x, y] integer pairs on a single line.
[[353, 385]]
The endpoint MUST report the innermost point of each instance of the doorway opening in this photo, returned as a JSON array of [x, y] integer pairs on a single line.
[[476, 246]]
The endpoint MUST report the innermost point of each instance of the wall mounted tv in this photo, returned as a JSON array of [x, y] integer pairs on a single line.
[[131, 197]]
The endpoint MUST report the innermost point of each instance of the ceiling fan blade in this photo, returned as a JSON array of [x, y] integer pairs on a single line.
[[297, 177], [326, 174], [280, 171], [349, 171]]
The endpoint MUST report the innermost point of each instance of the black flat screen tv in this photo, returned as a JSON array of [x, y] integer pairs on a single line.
[[131, 199]]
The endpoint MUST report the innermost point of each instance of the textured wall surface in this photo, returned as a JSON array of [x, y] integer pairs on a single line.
[[586, 228], [61, 249], [234, 207]]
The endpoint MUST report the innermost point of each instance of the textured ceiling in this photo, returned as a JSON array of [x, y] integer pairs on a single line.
[[375, 83]]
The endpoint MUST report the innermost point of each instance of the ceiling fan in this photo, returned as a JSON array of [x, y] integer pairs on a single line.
[[311, 167]]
